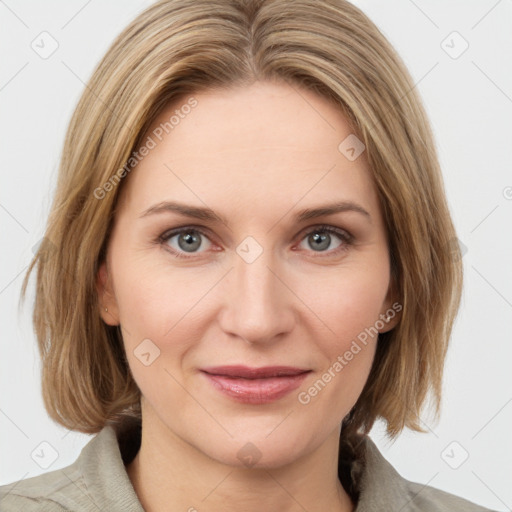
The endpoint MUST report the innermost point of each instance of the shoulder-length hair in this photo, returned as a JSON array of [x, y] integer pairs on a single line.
[[177, 48]]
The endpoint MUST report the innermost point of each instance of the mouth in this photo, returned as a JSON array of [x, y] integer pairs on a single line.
[[255, 385]]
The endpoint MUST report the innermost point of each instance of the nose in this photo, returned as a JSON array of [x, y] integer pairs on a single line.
[[258, 306]]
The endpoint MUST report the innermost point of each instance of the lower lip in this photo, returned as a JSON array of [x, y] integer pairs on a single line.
[[256, 391]]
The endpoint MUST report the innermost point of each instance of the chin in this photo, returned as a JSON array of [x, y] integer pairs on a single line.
[[257, 451]]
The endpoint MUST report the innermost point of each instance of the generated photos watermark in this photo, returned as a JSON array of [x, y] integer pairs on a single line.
[[151, 142], [305, 397]]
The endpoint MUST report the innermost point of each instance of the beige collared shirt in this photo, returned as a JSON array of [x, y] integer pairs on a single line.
[[98, 481]]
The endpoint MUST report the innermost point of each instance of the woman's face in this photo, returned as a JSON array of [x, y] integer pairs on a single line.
[[272, 286]]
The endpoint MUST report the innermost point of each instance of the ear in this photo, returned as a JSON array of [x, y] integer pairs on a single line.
[[391, 311], [109, 310]]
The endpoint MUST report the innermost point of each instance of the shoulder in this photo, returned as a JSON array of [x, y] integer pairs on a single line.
[[383, 488], [429, 499], [97, 480], [55, 491]]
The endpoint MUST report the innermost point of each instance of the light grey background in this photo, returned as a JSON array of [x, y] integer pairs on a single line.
[[469, 101]]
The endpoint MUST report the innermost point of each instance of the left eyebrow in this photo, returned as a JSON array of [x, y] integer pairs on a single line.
[[207, 214], [330, 209]]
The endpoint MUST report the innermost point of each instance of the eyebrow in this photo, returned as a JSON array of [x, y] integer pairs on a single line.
[[207, 214]]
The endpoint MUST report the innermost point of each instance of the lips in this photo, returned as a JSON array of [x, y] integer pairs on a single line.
[[255, 385], [245, 372]]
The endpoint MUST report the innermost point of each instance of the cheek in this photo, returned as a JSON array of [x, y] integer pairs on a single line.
[[348, 306], [158, 303], [347, 301], [157, 307]]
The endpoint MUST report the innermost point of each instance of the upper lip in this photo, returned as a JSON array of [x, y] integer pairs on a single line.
[[246, 372]]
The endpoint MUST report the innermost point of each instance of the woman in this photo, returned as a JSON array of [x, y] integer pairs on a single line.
[[249, 260]]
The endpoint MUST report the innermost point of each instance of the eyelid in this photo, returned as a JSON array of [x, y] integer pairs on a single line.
[[342, 233], [346, 237]]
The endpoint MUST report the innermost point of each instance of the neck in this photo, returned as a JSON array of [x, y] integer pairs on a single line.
[[169, 474]]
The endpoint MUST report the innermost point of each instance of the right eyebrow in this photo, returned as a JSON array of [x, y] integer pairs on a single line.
[[206, 214]]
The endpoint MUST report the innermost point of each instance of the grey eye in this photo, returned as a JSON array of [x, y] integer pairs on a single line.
[[188, 241], [320, 240]]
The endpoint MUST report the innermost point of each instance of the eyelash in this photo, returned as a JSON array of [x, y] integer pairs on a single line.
[[345, 237]]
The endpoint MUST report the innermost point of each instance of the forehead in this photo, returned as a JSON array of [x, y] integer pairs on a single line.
[[268, 142]]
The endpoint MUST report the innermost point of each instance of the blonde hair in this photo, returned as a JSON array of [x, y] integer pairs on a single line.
[[177, 48]]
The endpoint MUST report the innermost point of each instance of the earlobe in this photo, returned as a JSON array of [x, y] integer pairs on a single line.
[[106, 297], [390, 317]]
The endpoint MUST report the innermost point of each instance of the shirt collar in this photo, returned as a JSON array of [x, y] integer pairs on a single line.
[[102, 464], [382, 488], [106, 455]]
